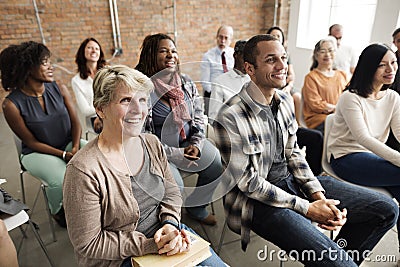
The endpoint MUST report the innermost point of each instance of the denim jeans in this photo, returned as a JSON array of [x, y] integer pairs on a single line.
[[214, 260], [364, 168], [370, 216], [209, 169]]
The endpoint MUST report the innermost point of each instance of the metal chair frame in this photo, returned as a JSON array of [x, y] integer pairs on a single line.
[[20, 219], [42, 188]]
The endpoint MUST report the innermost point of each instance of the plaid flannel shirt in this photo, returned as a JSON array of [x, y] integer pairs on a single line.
[[247, 153]]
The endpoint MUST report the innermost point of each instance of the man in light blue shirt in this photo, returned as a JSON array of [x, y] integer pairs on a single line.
[[216, 61]]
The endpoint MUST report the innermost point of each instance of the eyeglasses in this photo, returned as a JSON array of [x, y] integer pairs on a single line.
[[324, 51]]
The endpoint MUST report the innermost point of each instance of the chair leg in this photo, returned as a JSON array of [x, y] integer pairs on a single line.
[[22, 239], [48, 212], [221, 239], [21, 177], [39, 239]]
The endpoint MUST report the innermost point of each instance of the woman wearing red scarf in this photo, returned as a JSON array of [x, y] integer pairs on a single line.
[[177, 118]]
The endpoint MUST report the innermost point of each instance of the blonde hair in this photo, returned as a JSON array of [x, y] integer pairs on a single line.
[[110, 77]]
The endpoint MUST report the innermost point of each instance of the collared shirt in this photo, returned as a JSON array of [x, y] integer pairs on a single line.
[[211, 65], [247, 151], [345, 59], [225, 86]]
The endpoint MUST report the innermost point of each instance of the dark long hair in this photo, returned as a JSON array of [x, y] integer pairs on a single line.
[[279, 29], [148, 55], [363, 76], [80, 58], [17, 61]]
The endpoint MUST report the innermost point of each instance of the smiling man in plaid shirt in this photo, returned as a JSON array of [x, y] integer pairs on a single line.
[[270, 184]]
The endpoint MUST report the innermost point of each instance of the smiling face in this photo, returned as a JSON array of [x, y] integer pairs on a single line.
[[326, 54], [271, 65], [167, 55], [127, 111], [386, 70], [92, 51], [44, 72]]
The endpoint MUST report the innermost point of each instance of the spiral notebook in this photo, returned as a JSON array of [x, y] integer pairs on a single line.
[[199, 251]]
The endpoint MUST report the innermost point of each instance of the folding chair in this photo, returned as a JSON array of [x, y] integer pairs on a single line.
[[42, 188], [13, 221], [89, 128]]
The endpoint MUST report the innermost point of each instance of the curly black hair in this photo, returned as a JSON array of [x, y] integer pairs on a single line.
[[17, 61]]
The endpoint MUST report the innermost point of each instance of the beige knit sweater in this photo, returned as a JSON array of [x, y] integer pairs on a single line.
[[101, 209]]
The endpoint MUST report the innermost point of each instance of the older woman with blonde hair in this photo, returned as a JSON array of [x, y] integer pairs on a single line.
[[322, 85], [120, 197]]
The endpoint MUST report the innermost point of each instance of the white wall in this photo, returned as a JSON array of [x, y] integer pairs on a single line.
[[386, 18]]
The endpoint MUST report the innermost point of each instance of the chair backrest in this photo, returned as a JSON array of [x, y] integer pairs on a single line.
[[326, 167]]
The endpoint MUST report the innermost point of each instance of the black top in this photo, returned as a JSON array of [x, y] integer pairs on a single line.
[[53, 126]]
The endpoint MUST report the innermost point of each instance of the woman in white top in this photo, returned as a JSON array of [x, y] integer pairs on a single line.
[[89, 59], [364, 115]]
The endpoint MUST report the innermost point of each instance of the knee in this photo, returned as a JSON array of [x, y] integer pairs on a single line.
[[390, 211], [395, 211]]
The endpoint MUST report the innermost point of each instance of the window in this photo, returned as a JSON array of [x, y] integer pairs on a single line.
[[315, 17]]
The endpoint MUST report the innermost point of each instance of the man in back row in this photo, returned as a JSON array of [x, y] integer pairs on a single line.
[[216, 61], [345, 58], [271, 185]]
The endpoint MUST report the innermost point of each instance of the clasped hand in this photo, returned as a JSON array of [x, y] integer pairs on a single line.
[[326, 214], [171, 241]]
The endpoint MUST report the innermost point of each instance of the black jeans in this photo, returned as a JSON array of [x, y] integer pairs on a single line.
[[313, 140], [206, 99]]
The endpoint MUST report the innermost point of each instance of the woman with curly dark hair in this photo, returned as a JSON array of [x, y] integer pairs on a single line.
[[41, 113]]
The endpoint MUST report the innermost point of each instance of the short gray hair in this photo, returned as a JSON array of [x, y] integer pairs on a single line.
[[109, 77], [318, 45]]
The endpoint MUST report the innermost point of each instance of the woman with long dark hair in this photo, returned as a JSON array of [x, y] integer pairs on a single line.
[[177, 118], [89, 59], [364, 115]]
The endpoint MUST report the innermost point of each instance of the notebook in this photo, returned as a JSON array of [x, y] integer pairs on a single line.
[[199, 251]]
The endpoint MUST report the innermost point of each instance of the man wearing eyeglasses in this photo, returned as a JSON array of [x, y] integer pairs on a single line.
[[216, 61]]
